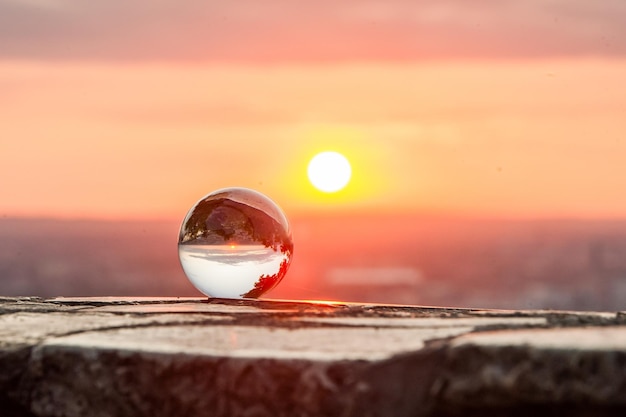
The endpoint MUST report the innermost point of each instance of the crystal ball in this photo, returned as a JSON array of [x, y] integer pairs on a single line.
[[235, 243]]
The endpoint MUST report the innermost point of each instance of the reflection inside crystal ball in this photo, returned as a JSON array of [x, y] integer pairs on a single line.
[[235, 243]]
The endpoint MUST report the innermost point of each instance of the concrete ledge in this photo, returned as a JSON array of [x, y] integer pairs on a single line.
[[181, 356]]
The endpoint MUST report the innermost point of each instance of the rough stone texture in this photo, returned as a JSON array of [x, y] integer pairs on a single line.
[[164, 357]]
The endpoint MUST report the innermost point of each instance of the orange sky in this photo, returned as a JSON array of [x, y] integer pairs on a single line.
[[483, 125], [516, 138]]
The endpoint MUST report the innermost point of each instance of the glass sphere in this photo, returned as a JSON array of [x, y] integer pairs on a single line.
[[235, 243]]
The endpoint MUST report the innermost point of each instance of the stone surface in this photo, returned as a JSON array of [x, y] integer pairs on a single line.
[[217, 357], [609, 338]]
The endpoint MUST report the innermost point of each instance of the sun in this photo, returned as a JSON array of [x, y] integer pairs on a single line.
[[329, 171]]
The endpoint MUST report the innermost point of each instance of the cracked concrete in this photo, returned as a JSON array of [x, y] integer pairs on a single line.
[[191, 356]]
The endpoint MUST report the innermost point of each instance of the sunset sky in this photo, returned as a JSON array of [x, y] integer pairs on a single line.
[[115, 109]]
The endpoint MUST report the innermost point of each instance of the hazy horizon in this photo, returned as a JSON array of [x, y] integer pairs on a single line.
[[578, 265]]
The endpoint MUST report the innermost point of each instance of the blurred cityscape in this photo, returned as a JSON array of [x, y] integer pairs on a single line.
[[403, 259]]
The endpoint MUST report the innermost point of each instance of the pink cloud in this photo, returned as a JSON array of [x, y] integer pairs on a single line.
[[283, 30]]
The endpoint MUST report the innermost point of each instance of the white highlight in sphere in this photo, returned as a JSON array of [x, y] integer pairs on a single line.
[[329, 171]]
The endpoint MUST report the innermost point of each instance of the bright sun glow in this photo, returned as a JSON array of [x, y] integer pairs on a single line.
[[329, 171]]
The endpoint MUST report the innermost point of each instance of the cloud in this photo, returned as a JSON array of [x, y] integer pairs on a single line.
[[299, 31]]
